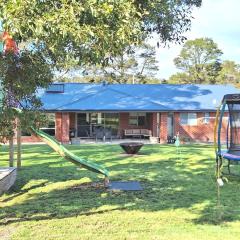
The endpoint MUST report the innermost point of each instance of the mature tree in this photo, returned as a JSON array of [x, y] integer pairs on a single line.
[[200, 60], [82, 32], [147, 64], [230, 73], [134, 65], [122, 68], [20, 77]]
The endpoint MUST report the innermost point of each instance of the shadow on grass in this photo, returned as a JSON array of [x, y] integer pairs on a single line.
[[170, 181]]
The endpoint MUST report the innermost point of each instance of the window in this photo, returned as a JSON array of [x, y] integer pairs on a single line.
[[188, 119], [50, 126], [112, 122], [97, 118], [133, 119], [206, 118], [25, 133], [55, 88], [137, 119]]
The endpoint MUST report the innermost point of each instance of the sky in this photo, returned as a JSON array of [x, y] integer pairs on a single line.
[[216, 19]]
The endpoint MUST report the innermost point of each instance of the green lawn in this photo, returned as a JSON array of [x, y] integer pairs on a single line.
[[52, 199]]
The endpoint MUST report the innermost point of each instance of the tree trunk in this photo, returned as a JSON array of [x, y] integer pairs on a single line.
[[11, 152], [19, 145]]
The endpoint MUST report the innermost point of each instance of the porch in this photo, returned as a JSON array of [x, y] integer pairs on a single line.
[[76, 127], [78, 141]]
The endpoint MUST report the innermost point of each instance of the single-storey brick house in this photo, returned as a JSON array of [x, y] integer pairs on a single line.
[[122, 110]]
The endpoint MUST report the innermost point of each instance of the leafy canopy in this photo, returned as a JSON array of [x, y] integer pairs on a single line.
[[135, 64], [230, 73], [200, 60], [20, 77], [77, 32]]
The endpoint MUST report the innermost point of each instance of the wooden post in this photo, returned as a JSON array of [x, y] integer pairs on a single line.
[[11, 152], [19, 145]]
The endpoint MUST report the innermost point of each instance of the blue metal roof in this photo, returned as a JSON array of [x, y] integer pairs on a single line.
[[135, 97]]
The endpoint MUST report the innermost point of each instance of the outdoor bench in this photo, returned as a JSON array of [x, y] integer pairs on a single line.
[[137, 132]]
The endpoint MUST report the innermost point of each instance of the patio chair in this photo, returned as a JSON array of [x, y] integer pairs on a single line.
[[171, 139]]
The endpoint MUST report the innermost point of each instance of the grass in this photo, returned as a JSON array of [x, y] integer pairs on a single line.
[[52, 199]]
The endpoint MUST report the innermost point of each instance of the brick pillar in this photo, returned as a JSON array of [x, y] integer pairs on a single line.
[[72, 120], [154, 125], [62, 127], [177, 126], [163, 127], [58, 122], [65, 128], [123, 122]]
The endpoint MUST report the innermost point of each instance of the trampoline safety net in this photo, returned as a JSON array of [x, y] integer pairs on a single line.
[[234, 128]]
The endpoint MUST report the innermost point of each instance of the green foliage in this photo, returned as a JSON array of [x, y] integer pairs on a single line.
[[21, 76], [199, 59], [230, 73], [168, 18], [1, 96], [7, 124], [179, 78], [134, 65], [73, 32], [82, 32], [147, 63]]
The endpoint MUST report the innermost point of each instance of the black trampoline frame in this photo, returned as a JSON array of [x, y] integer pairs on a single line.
[[228, 100]]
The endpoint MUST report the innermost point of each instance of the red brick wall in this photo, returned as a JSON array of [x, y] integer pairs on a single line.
[[201, 132], [29, 139]]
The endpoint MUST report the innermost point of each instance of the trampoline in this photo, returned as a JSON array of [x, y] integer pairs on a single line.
[[227, 133]]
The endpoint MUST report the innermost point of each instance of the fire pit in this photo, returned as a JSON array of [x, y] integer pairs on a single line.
[[131, 147]]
